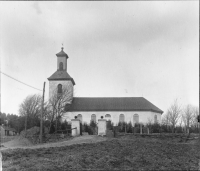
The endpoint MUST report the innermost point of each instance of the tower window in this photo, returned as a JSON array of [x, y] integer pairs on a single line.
[[60, 66], [59, 88]]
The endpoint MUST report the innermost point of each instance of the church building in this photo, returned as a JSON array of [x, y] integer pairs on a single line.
[[116, 109]]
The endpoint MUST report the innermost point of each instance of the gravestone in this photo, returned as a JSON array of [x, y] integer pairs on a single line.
[[140, 128]]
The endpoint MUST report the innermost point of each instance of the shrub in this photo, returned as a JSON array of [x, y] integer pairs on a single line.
[[109, 125], [93, 124], [178, 129], [87, 128], [166, 128], [121, 126], [129, 128], [155, 128]]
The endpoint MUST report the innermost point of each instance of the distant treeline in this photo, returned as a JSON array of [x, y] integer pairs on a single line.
[[13, 121]]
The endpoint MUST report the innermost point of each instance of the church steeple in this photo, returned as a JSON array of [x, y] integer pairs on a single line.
[[61, 73], [62, 60], [60, 79]]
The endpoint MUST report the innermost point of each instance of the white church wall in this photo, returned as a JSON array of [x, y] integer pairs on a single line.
[[65, 83], [144, 116]]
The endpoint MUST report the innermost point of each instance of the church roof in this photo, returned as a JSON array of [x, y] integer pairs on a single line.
[[112, 104], [61, 53], [61, 75]]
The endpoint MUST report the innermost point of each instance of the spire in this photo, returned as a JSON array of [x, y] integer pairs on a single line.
[[62, 47], [62, 53]]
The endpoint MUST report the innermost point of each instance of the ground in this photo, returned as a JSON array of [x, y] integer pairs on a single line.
[[100, 153]]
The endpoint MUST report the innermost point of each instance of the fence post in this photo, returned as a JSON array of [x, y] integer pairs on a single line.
[[140, 128]]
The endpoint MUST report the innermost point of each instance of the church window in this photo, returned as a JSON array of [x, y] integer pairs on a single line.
[[59, 88], [79, 117], [155, 119], [136, 118], [121, 118], [93, 117], [60, 66], [108, 117]]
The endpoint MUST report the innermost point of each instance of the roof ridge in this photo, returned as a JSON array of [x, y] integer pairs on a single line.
[[108, 97]]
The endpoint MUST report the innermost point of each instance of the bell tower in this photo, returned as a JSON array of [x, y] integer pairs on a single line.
[[62, 60], [60, 81]]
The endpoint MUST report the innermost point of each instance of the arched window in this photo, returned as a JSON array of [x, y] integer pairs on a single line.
[[121, 118], [108, 117], [79, 117], [59, 88], [155, 119], [93, 117], [60, 66], [136, 118]]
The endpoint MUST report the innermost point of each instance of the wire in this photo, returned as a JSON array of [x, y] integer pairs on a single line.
[[20, 81]]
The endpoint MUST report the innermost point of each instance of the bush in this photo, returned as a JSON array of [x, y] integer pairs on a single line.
[[179, 129], [89, 129], [136, 128], [194, 129], [64, 125], [109, 125], [155, 128], [129, 128], [52, 129], [125, 127], [121, 126], [93, 124]]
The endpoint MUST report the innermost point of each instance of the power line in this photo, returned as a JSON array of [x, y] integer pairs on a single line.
[[20, 81]]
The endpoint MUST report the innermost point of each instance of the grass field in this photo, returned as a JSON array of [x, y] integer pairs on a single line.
[[125, 153]]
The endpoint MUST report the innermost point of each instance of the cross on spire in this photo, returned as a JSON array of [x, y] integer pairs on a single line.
[[62, 47]]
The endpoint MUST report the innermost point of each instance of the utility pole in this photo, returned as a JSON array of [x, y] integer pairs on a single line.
[[198, 123], [41, 117]]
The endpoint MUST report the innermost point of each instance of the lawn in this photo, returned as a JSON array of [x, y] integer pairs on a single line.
[[125, 153]]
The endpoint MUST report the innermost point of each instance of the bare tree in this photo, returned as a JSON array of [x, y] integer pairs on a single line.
[[187, 116], [194, 121], [174, 113], [165, 119], [59, 104], [30, 109]]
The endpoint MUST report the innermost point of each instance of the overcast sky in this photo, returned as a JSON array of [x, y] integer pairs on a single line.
[[115, 49]]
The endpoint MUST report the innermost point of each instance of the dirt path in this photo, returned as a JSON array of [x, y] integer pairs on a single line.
[[23, 143]]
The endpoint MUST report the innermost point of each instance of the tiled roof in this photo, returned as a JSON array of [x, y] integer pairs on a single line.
[[61, 75], [9, 129], [112, 104]]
